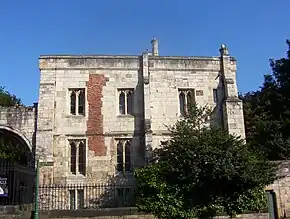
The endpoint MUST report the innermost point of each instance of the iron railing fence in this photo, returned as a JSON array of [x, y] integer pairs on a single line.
[[16, 184], [86, 196]]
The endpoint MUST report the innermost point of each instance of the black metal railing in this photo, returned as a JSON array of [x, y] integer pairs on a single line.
[[16, 184], [86, 196]]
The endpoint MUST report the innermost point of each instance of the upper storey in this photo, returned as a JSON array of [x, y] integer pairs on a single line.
[[111, 76]]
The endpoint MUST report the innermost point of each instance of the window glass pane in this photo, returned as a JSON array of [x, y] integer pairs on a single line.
[[189, 99], [120, 156], [80, 194], [73, 103], [73, 159], [81, 108], [130, 102], [122, 103], [182, 103], [128, 156], [82, 158], [72, 199]]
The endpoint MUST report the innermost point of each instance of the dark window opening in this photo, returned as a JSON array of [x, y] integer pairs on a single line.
[[73, 103], [182, 104], [73, 159], [81, 102], [120, 156], [82, 158], [127, 156], [130, 102], [122, 103]]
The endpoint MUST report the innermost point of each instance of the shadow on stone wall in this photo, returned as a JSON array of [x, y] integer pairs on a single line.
[[217, 116], [119, 191]]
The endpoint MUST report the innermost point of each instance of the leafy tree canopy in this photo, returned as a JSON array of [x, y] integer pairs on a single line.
[[8, 99], [6, 152], [267, 112], [202, 171]]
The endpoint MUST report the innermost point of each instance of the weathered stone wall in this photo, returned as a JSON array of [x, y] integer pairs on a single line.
[[167, 75], [281, 188], [101, 125], [155, 81], [232, 107], [20, 120]]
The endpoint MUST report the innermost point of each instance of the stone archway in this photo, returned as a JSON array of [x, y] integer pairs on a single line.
[[17, 142]]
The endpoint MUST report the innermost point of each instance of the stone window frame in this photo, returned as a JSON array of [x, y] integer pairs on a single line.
[[123, 110], [78, 91], [183, 98], [77, 142], [76, 198], [121, 166]]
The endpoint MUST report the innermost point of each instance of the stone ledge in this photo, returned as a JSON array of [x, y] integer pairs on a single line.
[[87, 56]]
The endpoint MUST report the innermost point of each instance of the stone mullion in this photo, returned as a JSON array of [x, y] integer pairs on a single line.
[[77, 102], [77, 157]]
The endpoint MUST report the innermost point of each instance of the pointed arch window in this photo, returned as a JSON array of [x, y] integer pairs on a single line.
[[130, 102], [124, 162], [182, 106], [73, 159], [126, 99], [127, 156], [122, 105], [82, 158], [73, 102], [186, 100], [78, 157], [77, 101], [81, 102]]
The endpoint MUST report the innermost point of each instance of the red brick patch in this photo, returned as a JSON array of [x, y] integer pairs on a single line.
[[94, 132]]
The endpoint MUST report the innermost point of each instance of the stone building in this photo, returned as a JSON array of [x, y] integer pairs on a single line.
[[101, 115], [98, 117]]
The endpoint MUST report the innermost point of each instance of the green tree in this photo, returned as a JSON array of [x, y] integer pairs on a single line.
[[7, 152], [202, 171], [8, 99], [267, 112]]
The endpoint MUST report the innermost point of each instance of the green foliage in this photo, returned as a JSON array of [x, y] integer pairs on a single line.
[[7, 152], [267, 112], [203, 171], [156, 196], [11, 151], [8, 99]]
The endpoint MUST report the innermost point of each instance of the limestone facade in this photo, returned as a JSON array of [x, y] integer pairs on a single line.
[[100, 116]]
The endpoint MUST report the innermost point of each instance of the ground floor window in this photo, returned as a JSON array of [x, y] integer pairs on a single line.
[[76, 198]]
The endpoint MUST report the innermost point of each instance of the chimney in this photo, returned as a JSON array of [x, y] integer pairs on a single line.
[[154, 43]]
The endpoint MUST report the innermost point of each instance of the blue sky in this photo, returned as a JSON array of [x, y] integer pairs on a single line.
[[253, 30]]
